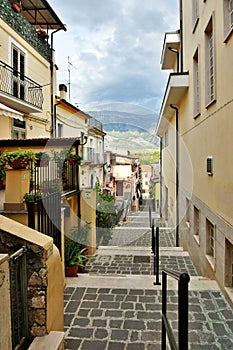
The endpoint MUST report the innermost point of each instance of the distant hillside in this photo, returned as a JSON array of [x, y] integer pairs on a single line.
[[131, 129], [125, 121]]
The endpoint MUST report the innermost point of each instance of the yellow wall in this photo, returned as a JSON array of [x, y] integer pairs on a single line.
[[88, 206], [210, 133], [37, 69]]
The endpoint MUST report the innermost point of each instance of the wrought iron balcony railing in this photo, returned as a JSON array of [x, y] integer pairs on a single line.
[[14, 84]]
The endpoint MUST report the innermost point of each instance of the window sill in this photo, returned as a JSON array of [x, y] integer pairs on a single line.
[[195, 24], [228, 35], [196, 115], [197, 239], [211, 261], [209, 104]]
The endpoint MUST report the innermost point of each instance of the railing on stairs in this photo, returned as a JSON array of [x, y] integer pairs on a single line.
[[155, 251], [183, 280], [19, 298]]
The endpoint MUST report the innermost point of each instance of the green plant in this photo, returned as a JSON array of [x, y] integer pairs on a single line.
[[81, 233], [7, 158], [75, 157], [32, 197], [74, 253], [42, 155]]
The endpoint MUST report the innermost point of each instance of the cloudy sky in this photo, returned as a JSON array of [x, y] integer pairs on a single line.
[[114, 47]]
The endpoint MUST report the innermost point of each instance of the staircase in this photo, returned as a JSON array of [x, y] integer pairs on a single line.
[[115, 305]]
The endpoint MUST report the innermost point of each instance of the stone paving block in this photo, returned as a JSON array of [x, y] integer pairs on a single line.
[[94, 344]]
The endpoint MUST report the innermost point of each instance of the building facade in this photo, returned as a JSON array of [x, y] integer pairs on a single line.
[[195, 130], [27, 66]]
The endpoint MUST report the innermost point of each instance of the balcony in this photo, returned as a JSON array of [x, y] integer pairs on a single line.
[[176, 89], [170, 53], [18, 91], [89, 156], [94, 123]]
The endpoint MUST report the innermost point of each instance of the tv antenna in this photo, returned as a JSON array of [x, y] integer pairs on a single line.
[[69, 65]]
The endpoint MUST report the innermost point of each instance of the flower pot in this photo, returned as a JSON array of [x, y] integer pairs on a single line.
[[16, 7], [20, 163], [72, 161], [42, 163], [71, 271]]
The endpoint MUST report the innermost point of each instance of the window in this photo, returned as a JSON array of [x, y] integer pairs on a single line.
[[228, 18], [209, 165], [210, 63], [187, 210], [195, 13], [60, 130], [210, 236], [196, 223], [18, 129], [166, 139], [18, 65], [196, 85]]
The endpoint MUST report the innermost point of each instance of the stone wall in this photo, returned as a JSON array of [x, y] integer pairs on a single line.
[[41, 255]]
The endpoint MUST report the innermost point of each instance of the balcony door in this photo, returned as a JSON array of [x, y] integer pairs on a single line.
[[18, 74]]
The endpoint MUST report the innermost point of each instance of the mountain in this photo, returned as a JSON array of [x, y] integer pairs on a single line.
[[131, 130], [124, 121]]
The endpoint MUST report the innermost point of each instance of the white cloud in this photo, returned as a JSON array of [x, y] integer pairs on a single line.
[[116, 47]]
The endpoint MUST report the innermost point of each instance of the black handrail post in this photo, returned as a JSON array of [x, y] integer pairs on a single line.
[[183, 311], [153, 238], [164, 308], [157, 257], [150, 222]]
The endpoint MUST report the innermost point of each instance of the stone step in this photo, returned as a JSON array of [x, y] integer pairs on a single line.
[[53, 341], [129, 250], [197, 283]]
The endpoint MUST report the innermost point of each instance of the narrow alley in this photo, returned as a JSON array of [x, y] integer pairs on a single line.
[[116, 306]]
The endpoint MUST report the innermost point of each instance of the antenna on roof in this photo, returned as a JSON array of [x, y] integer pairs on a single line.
[[69, 65]]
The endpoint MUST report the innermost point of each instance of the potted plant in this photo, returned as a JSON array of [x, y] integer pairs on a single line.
[[42, 34], [74, 256], [16, 7], [32, 198], [42, 159], [73, 159], [19, 159]]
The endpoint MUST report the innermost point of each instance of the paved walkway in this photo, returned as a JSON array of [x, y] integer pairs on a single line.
[[116, 306]]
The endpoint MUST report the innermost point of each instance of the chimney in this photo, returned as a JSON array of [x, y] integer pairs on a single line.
[[63, 91]]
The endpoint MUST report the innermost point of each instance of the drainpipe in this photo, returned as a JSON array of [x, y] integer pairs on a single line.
[[51, 80], [161, 176], [181, 36], [177, 174], [82, 143]]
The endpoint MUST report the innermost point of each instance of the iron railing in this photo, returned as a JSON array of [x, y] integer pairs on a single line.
[[19, 299], [95, 123], [155, 251], [14, 83], [183, 280], [45, 215]]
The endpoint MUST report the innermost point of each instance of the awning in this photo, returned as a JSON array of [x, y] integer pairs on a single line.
[[40, 13], [9, 112]]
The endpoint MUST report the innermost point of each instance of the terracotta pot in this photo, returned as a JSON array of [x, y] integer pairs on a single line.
[[71, 271], [72, 161], [42, 163], [16, 7], [20, 163]]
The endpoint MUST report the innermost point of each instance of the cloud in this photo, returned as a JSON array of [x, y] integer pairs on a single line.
[[115, 49]]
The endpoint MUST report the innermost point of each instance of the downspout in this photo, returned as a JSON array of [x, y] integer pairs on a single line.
[[51, 81], [161, 177], [177, 174], [181, 36], [82, 143]]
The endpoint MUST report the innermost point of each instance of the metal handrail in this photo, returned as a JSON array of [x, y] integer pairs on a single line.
[[183, 280], [15, 84]]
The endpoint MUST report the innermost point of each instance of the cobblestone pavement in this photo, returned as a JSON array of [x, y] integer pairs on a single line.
[[115, 306], [138, 265]]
